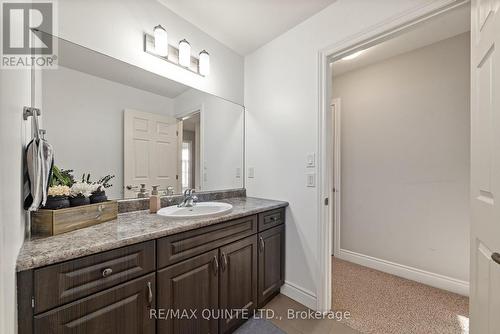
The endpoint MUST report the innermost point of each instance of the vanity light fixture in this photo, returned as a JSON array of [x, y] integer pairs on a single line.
[[161, 41], [204, 66], [156, 44], [184, 53]]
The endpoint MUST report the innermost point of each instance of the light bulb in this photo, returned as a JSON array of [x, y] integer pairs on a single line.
[[184, 53], [161, 41], [204, 63]]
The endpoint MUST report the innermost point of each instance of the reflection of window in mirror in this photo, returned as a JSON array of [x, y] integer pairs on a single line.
[[187, 165]]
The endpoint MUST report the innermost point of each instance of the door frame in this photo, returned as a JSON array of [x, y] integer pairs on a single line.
[[199, 109], [367, 38], [335, 185]]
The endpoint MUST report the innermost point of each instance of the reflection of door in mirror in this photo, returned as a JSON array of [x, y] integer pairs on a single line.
[[151, 149], [191, 152]]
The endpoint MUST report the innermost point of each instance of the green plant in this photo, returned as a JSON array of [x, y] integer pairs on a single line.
[[104, 181], [62, 177], [101, 184], [86, 178]]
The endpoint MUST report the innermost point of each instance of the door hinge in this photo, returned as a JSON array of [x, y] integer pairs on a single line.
[[32, 302], [177, 133], [177, 177], [327, 201]]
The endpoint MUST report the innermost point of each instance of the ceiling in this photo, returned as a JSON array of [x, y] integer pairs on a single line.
[[245, 25], [447, 25]]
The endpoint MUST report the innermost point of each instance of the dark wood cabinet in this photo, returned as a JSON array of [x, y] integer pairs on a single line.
[[123, 309], [191, 285], [178, 247], [238, 282], [271, 263], [61, 283], [271, 218], [203, 281]]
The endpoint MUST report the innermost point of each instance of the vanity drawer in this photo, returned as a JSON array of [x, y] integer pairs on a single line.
[[178, 247], [271, 218], [61, 283]]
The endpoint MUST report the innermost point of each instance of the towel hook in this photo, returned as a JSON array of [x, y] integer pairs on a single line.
[[30, 111]]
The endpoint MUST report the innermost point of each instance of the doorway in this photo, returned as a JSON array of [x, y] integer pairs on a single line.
[[190, 152], [398, 163]]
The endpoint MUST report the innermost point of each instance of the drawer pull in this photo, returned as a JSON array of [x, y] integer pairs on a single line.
[[261, 244], [215, 265], [150, 295], [273, 218], [107, 272], [224, 261]]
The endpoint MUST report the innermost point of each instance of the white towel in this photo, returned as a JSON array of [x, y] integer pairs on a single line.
[[38, 170]]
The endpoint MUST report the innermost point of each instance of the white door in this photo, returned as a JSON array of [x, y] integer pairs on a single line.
[[485, 167], [150, 151]]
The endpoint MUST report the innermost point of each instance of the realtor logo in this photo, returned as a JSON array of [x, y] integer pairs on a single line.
[[27, 34]]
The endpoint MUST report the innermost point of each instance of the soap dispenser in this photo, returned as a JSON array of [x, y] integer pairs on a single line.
[[154, 200]]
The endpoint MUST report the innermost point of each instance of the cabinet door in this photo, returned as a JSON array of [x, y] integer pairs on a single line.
[[186, 287], [271, 263], [238, 282], [123, 309]]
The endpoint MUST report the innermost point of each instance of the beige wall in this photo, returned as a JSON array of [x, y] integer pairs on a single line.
[[405, 158]]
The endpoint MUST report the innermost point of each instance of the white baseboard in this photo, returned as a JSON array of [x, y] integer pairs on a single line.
[[303, 296], [414, 274]]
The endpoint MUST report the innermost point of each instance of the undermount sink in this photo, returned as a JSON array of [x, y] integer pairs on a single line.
[[199, 210]]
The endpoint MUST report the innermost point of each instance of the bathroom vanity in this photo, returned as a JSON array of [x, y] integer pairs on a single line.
[[125, 276], [131, 274]]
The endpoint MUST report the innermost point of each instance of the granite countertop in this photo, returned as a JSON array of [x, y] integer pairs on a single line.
[[128, 228]]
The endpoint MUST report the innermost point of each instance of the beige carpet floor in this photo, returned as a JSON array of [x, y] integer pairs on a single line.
[[381, 303]]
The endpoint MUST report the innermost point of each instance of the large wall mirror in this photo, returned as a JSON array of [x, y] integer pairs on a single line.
[[107, 117]]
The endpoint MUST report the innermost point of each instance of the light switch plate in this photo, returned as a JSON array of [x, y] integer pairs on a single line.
[[311, 180], [311, 160], [251, 172], [238, 172]]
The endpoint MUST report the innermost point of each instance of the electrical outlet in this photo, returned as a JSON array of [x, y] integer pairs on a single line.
[[238, 172], [251, 172], [311, 180]]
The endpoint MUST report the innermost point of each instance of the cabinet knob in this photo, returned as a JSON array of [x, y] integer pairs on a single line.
[[106, 272]]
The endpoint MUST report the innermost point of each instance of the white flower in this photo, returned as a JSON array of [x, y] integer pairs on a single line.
[[98, 187], [59, 191], [82, 189]]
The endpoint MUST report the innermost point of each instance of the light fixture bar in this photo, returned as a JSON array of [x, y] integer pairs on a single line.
[[173, 55]]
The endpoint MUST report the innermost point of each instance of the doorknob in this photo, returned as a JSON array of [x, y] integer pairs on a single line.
[[495, 257]]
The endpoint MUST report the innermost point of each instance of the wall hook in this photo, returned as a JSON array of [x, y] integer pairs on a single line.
[[30, 111]]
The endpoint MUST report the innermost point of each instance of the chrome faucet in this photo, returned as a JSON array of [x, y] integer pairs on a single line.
[[189, 199]]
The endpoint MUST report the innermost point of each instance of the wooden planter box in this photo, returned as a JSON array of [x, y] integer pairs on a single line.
[[46, 223]]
